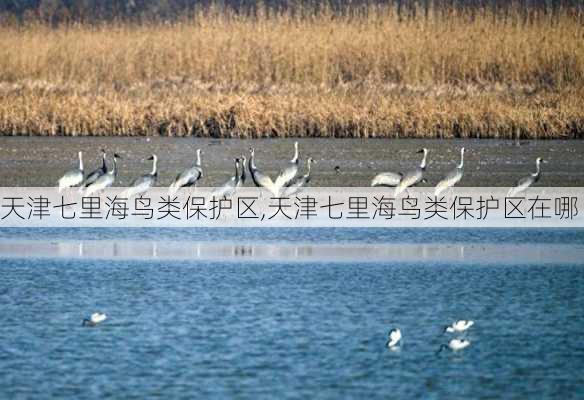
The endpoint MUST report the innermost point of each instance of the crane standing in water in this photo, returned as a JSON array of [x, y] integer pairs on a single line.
[[290, 172], [144, 182], [300, 181], [413, 177], [93, 175], [73, 177], [104, 181], [452, 178], [526, 182], [260, 179], [188, 177]]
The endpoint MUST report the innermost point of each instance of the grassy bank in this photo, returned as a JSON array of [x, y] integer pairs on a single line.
[[281, 75]]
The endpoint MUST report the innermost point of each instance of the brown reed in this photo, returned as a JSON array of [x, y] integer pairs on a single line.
[[285, 74]]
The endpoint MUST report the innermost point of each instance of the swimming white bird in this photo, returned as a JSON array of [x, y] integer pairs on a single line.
[[73, 177], [300, 181], [459, 326], [260, 179], [455, 345], [452, 178], [289, 173], [104, 181], [394, 337], [526, 182], [228, 189], [188, 177], [388, 179], [144, 182], [412, 178], [94, 319], [93, 175]]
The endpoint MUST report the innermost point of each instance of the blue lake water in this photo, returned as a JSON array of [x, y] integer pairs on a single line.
[[313, 326]]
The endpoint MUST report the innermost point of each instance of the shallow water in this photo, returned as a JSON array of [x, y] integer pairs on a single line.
[[40, 161], [290, 327]]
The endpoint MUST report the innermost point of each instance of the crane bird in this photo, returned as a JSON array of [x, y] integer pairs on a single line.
[[393, 338], [144, 182], [94, 319], [73, 177], [452, 178], [93, 175], [458, 326], [289, 173], [229, 187], [104, 181], [188, 177], [387, 179], [526, 182], [260, 179], [455, 345], [413, 177], [300, 181], [242, 177]]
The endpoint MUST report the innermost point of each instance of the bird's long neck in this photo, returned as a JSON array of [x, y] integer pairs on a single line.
[[295, 159], [236, 170], [154, 162], [243, 165], [115, 169], [198, 158], [461, 160], [537, 169], [103, 163], [309, 164], [252, 166], [423, 163], [81, 161]]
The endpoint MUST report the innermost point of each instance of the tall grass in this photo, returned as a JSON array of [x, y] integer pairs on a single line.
[[280, 74]]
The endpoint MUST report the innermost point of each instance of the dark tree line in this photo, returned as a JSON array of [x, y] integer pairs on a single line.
[[57, 11]]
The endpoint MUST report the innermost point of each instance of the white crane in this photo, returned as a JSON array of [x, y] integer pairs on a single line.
[[300, 181], [188, 177], [289, 173], [93, 175], [242, 177], [452, 178], [144, 182], [73, 177], [104, 181], [260, 179], [229, 187], [526, 182], [413, 177], [387, 179]]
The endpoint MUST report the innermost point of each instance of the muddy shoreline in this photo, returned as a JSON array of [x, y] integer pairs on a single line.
[[40, 161]]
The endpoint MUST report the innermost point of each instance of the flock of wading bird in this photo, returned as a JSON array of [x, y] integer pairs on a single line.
[[287, 183]]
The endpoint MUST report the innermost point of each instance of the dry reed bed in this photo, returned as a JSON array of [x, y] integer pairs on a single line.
[[233, 76]]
